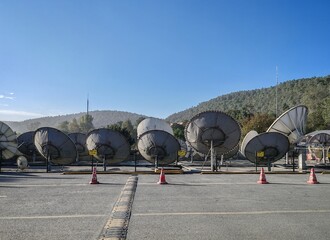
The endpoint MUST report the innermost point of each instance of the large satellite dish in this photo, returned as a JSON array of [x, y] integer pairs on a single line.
[[8, 142], [213, 129], [79, 140], [291, 123], [319, 138], [26, 144], [55, 145], [158, 147], [231, 153], [111, 146], [150, 124], [246, 139], [274, 145]]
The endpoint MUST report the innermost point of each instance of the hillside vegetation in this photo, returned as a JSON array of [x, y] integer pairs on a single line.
[[312, 92]]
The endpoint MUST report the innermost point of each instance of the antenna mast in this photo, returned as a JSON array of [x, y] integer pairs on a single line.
[[276, 102], [87, 104]]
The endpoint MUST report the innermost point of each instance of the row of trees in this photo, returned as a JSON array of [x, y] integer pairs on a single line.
[[84, 124]]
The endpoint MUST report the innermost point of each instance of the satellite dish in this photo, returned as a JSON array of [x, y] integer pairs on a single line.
[[291, 123], [79, 140], [26, 144], [231, 153], [22, 162], [215, 128], [149, 124], [55, 145], [8, 142], [111, 146], [246, 139], [319, 138], [274, 145], [158, 147]]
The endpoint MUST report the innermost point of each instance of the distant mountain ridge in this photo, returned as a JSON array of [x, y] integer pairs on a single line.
[[100, 119]]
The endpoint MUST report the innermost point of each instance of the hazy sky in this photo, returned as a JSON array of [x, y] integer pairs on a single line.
[[153, 57]]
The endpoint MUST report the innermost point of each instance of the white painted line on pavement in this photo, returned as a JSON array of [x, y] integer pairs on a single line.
[[232, 213], [52, 217], [43, 185], [199, 184]]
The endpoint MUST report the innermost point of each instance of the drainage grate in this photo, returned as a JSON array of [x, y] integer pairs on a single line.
[[117, 225]]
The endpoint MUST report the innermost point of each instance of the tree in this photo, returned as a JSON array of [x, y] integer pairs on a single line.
[[33, 126], [259, 122], [129, 127], [315, 122], [64, 126], [178, 131], [74, 126], [86, 123], [123, 131], [140, 119]]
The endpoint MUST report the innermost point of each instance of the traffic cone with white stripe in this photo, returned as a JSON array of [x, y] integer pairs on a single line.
[[262, 178], [162, 179], [312, 177], [94, 177]]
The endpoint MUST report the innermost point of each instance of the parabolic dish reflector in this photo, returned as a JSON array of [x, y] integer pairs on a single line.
[[79, 140], [247, 138], [231, 153], [160, 146], [213, 126], [56, 145], [274, 145], [291, 123], [111, 146], [149, 124], [319, 138], [8, 142], [26, 144]]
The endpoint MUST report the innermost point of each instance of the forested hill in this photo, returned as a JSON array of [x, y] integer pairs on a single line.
[[100, 119], [312, 92]]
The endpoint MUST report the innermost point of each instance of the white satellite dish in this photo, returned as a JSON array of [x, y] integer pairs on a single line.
[[26, 143], [149, 124], [319, 138], [158, 147], [8, 142], [246, 139], [213, 132], [291, 123], [111, 146], [55, 146], [213, 128]]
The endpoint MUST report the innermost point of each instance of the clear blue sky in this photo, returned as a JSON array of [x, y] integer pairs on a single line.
[[153, 57]]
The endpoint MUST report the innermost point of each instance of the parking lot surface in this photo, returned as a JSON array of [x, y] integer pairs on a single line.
[[190, 206]]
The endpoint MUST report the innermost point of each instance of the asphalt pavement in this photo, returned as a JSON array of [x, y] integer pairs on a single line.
[[191, 206]]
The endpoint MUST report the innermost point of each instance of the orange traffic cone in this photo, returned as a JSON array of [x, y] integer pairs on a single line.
[[312, 177], [262, 178], [94, 177], [162, 177]]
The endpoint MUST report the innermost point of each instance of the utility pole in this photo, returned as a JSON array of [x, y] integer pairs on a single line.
[[276, 102], [87, 104]]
